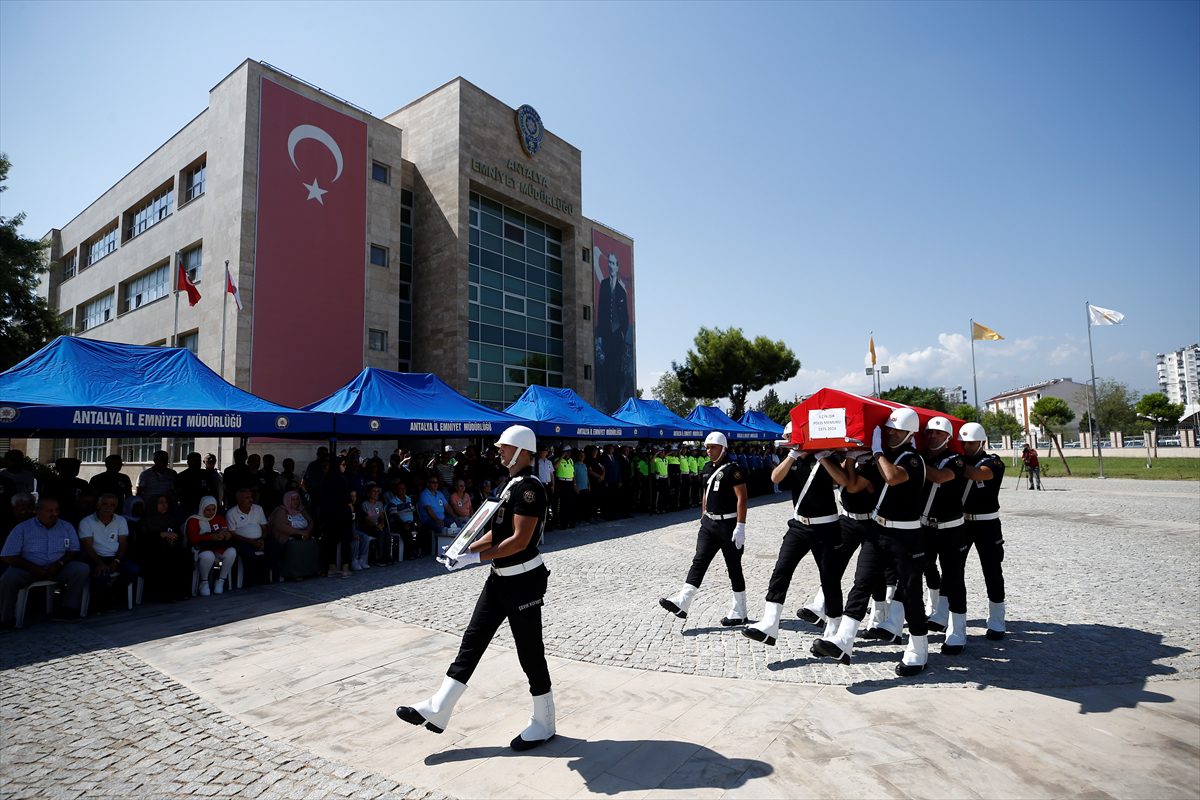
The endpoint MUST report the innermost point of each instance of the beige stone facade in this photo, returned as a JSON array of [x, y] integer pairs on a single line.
[[440, 148]]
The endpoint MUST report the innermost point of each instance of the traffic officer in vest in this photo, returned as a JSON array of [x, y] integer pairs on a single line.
[[514, 590], [896, 540], [661, 480], [564, 489], [981, 511], [813, 527], [722, 530], [942, 524]]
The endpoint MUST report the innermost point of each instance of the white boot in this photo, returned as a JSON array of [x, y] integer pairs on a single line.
[[941, 611], [541, 724], [956, 635], [831, 628], [995, 623], [891, 630], [879, 610], [737, 611], [434, 713], [841, 645], [889, 593], [916, 655], [766, 630], [814, 612], [679, 604]]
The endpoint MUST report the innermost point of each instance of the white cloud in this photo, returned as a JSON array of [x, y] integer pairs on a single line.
[[1063, 353]]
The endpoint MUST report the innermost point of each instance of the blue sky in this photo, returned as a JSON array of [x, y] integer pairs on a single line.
[[805, 171]]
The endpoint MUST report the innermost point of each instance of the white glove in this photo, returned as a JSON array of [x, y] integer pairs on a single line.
[[877, 440], [795, 454], [739, 535], [824, 454], [465, 560]]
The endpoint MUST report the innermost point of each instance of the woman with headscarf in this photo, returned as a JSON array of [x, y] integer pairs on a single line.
[[166, 560], [294, 552], [210, 537]]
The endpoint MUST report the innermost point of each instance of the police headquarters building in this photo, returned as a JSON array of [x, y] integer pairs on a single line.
[[446, 237]]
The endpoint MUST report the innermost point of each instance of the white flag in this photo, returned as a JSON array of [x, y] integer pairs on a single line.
[[1104, 316]]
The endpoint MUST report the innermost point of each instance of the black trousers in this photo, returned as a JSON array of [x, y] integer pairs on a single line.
[[822, 540], [661, 494], [949, 546], [903, 551], [989, 542], [517, 598], [716, 536], [838, 558]]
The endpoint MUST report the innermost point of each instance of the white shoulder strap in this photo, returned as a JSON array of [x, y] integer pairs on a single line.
[[812, 474]]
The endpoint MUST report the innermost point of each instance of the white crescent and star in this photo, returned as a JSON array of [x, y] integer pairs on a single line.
[[299, 134]]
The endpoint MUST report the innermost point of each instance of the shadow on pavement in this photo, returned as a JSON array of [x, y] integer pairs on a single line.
[[1101, 667], [699, 767]]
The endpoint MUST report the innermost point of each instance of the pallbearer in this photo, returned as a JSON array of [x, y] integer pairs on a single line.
[[942, 524], [514, 590], [981, 510], [722, 530]]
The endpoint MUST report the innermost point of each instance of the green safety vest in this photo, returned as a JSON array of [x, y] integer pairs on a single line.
[[643, 467], [660, 467], [685, 465], [564, 470]]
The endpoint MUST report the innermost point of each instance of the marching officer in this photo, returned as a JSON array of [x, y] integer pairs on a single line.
[[942, 524], [722, 530], [514, 590], [981, 511], [896, 539]]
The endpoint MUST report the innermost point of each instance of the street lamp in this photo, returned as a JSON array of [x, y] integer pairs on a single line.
[[877, 381]]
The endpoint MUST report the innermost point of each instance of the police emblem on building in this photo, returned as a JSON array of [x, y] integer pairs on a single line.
[[529, 129]]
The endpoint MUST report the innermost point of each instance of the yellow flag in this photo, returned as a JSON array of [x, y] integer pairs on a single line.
[[872, 350], [983, 332]]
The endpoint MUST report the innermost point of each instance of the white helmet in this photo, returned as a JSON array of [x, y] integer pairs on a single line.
[[787, 436], [941, 424], [904, 419], [972, 432], [717, 438], [519, 437]]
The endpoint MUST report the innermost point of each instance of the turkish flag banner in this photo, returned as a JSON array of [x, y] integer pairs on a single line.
[[310, 253], [182, 281]]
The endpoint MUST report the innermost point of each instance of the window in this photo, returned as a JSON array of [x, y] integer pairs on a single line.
[[146, 288], [403, 346], [150, 212], [191, 262], [139, 450], [587, 255], [181, 447], [91, 451], [58, 449], [102, 245], [380, 172], [189, 341], [587, 312], [193, 182], [587, 372], [68, 319], [97, 312], [67, 265], [379, 255], [377, 340]]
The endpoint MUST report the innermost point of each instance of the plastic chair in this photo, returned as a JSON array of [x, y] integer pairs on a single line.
[[235, 575], [23, 599]]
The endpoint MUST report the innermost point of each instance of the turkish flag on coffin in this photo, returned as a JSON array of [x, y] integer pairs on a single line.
[[830, 420], [310, 253]]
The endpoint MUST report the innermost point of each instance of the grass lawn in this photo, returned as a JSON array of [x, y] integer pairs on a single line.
[[1164, 469]]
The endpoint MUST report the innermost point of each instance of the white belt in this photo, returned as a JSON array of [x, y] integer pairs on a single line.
[[815, 520], [859, 517], [518, 569], [721, 516], [933, 523], [894, 523], [982, 517]]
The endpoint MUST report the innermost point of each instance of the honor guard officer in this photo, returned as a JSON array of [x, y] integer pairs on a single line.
[[942, 523], [896, 540], [514, 590], [722, 530], [813, 527], [981, 511]]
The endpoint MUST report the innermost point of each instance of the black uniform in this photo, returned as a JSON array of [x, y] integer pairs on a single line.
[[813, 526], [942, 524], [896, 540], [982, 498], [517, 598], [718, 522], [856, 525]]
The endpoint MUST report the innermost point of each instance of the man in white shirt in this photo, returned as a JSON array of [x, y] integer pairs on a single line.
[[104, 538], [249, 526]]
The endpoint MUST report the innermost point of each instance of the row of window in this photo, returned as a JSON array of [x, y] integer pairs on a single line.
[[146, 287], [139, 450]]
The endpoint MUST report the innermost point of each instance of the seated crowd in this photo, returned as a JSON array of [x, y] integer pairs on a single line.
[[200, 530]]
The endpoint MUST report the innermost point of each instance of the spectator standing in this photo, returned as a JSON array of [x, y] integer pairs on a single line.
[[159, 479], [195, 482], [112, 481], [68, 488], [1032, 466], [336, 517], [42, 548], [270, 484], [237, 476], [17, 471]]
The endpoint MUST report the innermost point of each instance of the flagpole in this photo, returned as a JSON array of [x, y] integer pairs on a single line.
[[224, 304], [974, 377], [1093, 425], [175, 327]]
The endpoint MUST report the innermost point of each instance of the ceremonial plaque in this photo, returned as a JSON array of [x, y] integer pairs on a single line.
[[475, 527]]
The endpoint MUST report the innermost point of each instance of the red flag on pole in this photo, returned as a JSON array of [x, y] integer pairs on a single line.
[[233, 290], [185, 283]]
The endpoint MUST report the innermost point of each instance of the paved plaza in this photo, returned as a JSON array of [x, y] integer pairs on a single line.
[[289, 691]]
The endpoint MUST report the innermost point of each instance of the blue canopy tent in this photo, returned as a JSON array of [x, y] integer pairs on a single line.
[[713, 418], [656, 421], [379, 403], [761, 422], [80, 387], [562, 413]]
